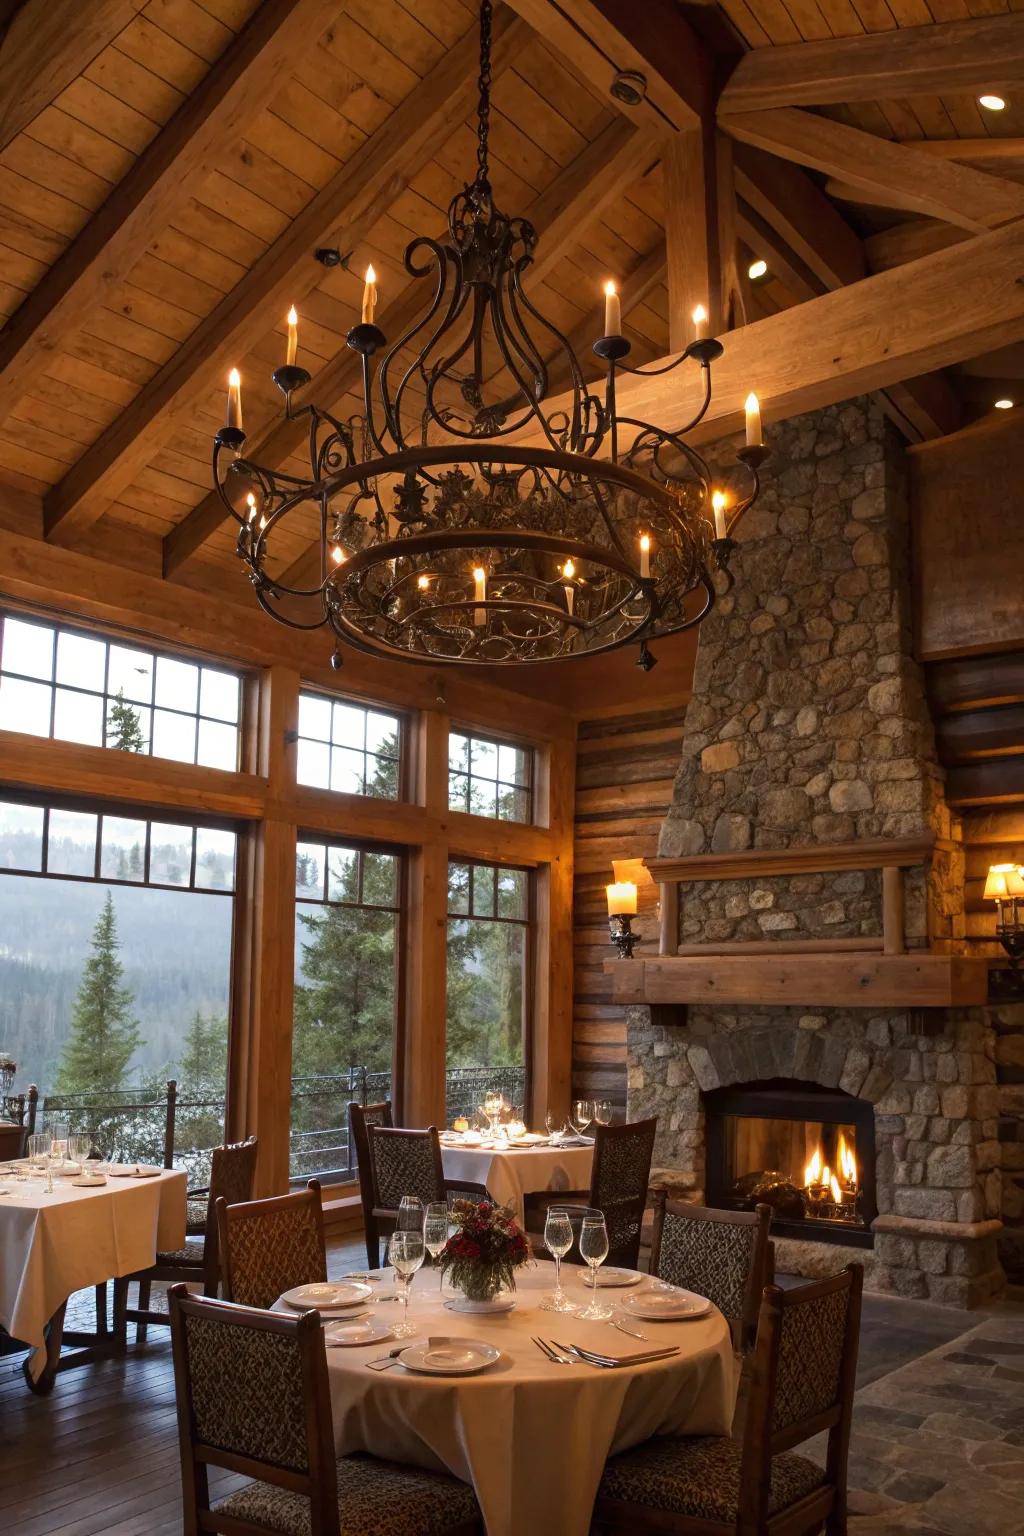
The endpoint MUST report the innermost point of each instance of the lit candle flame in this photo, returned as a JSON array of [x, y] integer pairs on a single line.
[[423, 582], [719, 501], [250, 502], [293, 316], [568, 570], [338, 554]]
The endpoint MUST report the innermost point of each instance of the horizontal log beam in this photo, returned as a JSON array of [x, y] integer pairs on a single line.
[[753, 863], [982, 53], [1000, 782], [841, 980], [976, 682], [981, 733]]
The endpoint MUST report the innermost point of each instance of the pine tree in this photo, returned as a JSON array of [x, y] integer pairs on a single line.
[[203, 1067], [104, 1034], [124, 729]]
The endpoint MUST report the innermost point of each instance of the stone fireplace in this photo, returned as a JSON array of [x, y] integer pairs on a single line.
[[808, 725]]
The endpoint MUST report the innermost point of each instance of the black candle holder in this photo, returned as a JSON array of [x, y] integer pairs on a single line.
[[753, 455], [706, 351], [365, 338], [620, 931], [289, 378], [231, 437], [612, 349]]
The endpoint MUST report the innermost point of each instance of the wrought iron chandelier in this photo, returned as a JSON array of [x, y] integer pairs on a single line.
[[461, 517]]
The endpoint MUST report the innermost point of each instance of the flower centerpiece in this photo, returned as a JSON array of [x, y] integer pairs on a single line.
[[482, 1256]]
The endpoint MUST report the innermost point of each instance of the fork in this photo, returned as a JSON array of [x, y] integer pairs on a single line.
[[552, 1354], [383, 1362]]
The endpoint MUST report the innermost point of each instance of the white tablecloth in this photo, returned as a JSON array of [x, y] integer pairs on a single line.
[[53, 1245], [531, 1437], [511, 1173]]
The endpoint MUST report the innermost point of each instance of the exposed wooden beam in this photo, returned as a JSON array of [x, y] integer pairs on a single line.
[[577, 197], [906, 242], [46, 45], [602, 38], [700, 233], [1008, 154], [983, 53], [1003, 363], [867, 336], [795, 207], [924, 407], [634, 289], [162, 180], [343, 212], [943, 189]]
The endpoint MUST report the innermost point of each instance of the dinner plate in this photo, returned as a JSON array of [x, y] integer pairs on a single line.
[[135, 1171], [89, 1181], [449, 1357], [665, 1304], [612, 1277], [349, 1333], [327, 1297], [531, 1139], [503, 1302]]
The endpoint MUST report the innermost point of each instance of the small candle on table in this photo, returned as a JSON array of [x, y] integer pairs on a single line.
[[369, 295], [700, 323], [752, 410], [621, 898], [234, 399], [645, 556], [718, 504], [293, 337], [480, 582], [612, 311]]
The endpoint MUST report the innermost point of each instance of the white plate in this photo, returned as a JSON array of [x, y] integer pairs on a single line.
[[135, 1171], [503, 1302], [350, 1333], [666, 1304], [88, 1182], [327, 1297], [613, 1277], [449, 1357]]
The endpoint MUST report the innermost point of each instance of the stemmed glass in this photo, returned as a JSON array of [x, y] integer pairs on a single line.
[[594, 1251], [79, 1148], [582, 1114], [410, 1214], [603, 1111], [558, 1241], [405, 1255], [435, 1234], [555, 1126]]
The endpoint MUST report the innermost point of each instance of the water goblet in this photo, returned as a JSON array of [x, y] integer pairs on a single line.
[[38, 1152], [558, 1241], [405, 1255], [594, 1251], [79, 1148], [555, 1127], [603, 1111], [435, 1234], [410, 1214], [581, 1116]]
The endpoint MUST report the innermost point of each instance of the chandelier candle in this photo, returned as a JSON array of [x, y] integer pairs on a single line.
[[234, 400], [461, 468], [293, 338], [752, 411], [718, 505]]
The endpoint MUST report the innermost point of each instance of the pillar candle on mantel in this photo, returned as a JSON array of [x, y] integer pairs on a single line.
[[752, 410], [235, 399], [293, 337], [621, 898], [612, 311], [369, 295]]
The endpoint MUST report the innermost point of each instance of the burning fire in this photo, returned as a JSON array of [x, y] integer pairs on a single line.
[[819, 1176]]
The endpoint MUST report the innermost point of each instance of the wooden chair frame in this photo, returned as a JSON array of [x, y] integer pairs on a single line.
[[227, 1215], [359, 1132], [543, 1200], [825, 1507], [762, 1268], [385, 1217]]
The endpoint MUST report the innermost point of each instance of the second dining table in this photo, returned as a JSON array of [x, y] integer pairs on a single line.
[[510, 1173], [530, 1435]]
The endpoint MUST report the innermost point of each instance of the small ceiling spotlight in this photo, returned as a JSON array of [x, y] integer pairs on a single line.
[[757, 270], [629, 86], [1005, 404], [992, 103]]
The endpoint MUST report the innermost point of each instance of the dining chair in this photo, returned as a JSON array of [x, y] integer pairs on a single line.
[[253, 1398], [723, 1255], [618, 1186], [232, 1170], [408, 1162], [269, 1246], [360, 1118], [805, 1363]]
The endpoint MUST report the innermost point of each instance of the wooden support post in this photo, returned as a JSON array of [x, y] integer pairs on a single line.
[[668, 914], [423, 1039], [692, 234], [893, 938]]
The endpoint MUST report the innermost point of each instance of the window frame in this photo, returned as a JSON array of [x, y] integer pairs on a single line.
[[353, 701], [520, 744]]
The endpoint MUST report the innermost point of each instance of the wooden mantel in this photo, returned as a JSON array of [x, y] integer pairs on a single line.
[[842, 979]]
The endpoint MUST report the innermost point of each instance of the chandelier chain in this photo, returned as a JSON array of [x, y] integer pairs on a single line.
[[484, 100]]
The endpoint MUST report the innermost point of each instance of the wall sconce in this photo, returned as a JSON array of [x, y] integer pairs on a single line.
[[1005, 886], [621, 911]]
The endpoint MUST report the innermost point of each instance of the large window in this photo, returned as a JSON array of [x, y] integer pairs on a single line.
[[115, 964], [348, 914], [349, 747], [489, 777], [75, 686], [489, 916]]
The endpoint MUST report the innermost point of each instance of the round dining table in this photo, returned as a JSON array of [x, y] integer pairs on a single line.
[[530, 1435]]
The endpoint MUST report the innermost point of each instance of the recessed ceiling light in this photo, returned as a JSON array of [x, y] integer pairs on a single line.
[[757, 269], [991, 103], [1004, 405]]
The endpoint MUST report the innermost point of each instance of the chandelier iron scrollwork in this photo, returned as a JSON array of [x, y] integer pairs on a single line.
[[461, 518]]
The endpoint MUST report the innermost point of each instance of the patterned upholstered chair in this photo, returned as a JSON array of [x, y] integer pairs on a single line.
[[618, 1187], [805, 1362], [269, 1246], [723, 1255], [407, 1162], [253, 1397], [360, 1118], [232, 1170]]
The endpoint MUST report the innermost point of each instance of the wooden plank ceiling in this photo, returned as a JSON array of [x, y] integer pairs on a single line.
[[169, 168]]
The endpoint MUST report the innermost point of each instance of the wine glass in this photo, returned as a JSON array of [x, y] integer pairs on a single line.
[[558, 1241], [410, 1214], [581, 1115], [435, 1234], [79, 1148], [405, 1255], [594, 1251], [603, 1111], [555, 1127]]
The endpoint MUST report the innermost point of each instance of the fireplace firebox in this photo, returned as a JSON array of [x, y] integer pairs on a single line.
[[806, 1151]]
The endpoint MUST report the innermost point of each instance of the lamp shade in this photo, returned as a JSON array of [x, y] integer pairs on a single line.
[[1004, 881]]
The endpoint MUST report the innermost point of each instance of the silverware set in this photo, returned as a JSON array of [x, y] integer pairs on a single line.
[[575, 1354]]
